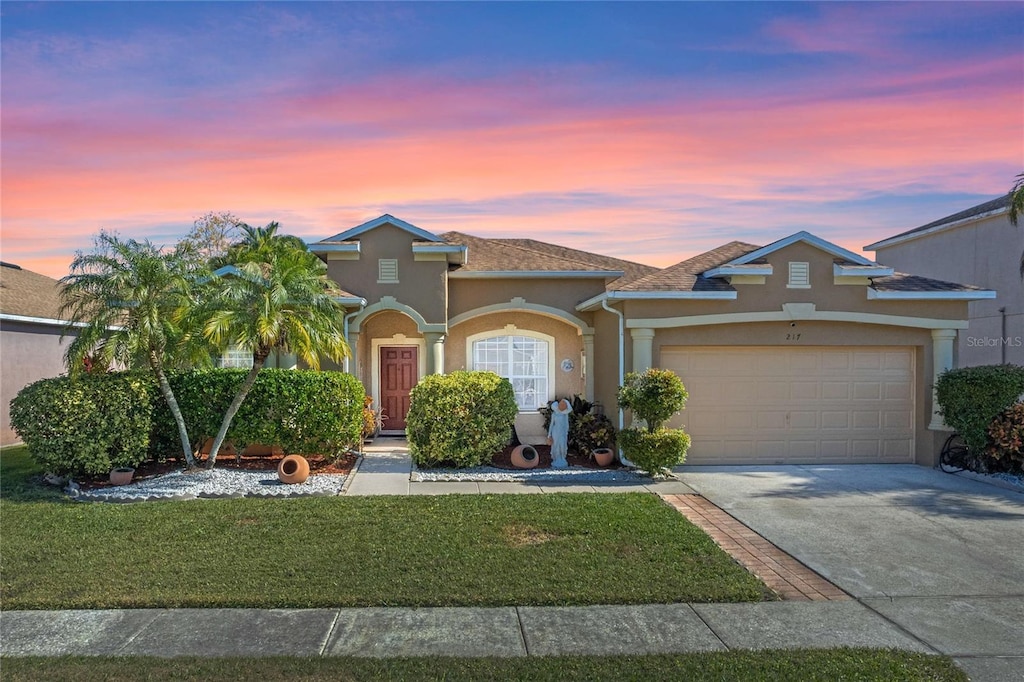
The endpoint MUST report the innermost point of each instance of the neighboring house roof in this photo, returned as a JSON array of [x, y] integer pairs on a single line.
[[901, 285], [28, 294], [686, 276], [982, 210], [511, 256]]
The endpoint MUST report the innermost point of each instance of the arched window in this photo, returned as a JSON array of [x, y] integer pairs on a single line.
[[524, 358]]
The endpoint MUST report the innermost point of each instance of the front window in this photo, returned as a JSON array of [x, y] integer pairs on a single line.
[[236, 358], [522, 360]]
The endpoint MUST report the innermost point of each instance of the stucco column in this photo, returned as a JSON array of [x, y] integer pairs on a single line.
[[942, 359], [588, 367], [287, 361], [436, 353], [643, 349], [352, 363]]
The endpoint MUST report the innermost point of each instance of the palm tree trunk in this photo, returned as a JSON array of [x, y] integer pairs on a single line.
[[172, 402], [258, 359]]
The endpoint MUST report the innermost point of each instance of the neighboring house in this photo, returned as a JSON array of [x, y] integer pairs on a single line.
[[795, 352], [979, 246], [30, 331]]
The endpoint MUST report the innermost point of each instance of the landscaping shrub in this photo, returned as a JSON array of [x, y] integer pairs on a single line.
[[971, 397], [587, 429], [303, 411], [88, 425], [1006, 440], [459, 419], [653, 396]]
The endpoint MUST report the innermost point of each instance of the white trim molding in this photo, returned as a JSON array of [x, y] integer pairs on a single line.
[[841, 270], [391, 303], [520, 305], [386, 219], [975, 295], [318, 248], [796, 311], [49, 322], [807, 238], [455, 254], [729, 270]]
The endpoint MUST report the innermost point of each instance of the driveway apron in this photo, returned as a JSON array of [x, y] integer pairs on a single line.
[[937, 555]]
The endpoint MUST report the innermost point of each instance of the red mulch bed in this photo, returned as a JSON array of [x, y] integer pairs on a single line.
[[503, 460], [318, 464]]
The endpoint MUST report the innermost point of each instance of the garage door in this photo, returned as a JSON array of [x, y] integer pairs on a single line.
[[771, 405]]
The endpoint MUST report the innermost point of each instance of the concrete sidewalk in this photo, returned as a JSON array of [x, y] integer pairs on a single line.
[[464, 632], [386, 468]]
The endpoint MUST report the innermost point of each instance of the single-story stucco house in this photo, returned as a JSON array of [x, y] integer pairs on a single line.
[[30, 336], [795, 352], [980, 246]]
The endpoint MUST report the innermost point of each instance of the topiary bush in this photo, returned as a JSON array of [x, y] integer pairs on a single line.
[[1006, 440], [303, 411], [459, 419], [88, 425], [971, 397], [653, 396]]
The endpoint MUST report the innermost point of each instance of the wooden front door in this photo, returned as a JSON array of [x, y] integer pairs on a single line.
[[398, 370]]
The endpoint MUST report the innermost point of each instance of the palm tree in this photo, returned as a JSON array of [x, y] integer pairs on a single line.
[[1017, 209], [126, 295], [273, 294]]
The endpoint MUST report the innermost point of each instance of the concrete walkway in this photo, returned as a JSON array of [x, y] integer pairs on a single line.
[[933, 563]]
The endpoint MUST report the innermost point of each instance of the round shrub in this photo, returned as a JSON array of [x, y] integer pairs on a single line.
[[971, 397], [654, 395], [459, 419], [654, 451], [88, 425]]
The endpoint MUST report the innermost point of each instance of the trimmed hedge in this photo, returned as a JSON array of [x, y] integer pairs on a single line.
[[460, 419], [100, 421], [303, 411], [971, 397], [654, 451], [653, 396], [88, 425]]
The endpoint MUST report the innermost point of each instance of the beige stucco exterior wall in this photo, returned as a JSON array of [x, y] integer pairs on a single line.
[[421, 284], [984, 253], [30, 352], [568, 344], [383, 325], [469, 294]]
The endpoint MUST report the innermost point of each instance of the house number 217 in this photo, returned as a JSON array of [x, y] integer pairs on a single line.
[[793, 336]]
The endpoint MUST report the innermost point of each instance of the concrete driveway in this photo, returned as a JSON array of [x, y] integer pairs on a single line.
[[938, 555]]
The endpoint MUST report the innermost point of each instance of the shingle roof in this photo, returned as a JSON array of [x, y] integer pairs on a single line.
[[903, 282], [27, 293], [685, 276], [981, 209], [510, 255]]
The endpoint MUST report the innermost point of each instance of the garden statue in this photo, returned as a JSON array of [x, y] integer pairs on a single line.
[[558, 433]]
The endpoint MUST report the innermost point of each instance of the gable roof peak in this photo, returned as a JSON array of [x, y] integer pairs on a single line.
[[807, 238], [385, 219]]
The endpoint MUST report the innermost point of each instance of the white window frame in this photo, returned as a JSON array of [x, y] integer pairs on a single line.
[[235, 357], [511, 331]]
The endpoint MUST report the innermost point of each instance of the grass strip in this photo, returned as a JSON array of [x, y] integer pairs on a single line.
[[850, 665], [457, 550]]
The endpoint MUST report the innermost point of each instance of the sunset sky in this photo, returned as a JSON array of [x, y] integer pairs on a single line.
[[648, 131]]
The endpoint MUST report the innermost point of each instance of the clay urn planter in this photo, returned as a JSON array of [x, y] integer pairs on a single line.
[[121, 475], [604, 456], [524, 457], [293, 469]]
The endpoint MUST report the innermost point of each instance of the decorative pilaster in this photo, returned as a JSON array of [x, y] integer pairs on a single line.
[[643, 349], [435, 341], [352, 363], [587, 365], [942, 359]]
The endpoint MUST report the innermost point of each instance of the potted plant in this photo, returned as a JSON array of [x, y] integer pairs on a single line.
[[654, 396], [595, 436], [121, 475]]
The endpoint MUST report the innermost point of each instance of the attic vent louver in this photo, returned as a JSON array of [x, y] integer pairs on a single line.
[[799, 276], [387, 271]]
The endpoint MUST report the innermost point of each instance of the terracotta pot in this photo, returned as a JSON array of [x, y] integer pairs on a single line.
[[524, 457], [604, 456], [293, 469], [121, 475]]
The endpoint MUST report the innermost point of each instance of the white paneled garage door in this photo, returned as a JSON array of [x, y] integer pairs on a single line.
[[771, 405]]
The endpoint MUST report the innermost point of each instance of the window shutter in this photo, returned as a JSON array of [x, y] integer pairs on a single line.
[[799, 275]]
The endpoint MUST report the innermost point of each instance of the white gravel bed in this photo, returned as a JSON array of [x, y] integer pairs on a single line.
[[496, 475], [218, 483], [1001, 480]]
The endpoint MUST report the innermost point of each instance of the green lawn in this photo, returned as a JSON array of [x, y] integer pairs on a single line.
[[321, 552], [740, 666]]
